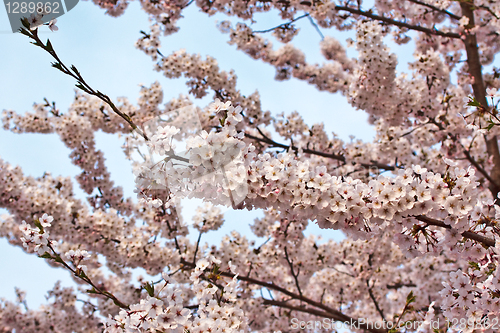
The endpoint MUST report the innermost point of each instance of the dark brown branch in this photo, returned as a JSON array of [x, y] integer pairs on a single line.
[[466, 234], [479, 167], [398, 23], [473, 60], [488, 9], [197, 246], [74, 73], [281, 25], [82, 276], [341, 158], [475, 70], [295, 275], [374, 300], [400, 285], [316, 27], [494, 188], [332, 313], [444, 11]]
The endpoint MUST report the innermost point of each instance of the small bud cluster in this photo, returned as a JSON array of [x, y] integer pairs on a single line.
[[39, 237]]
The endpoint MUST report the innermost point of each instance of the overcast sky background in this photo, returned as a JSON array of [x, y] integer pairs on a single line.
[[103, 50]]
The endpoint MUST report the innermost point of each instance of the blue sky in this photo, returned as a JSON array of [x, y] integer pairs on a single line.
[[103, 50]]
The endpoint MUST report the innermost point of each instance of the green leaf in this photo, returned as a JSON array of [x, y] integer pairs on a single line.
[[74, 69], [81, 273], [25, 32], [25, 23], [80, 86], [410, 298], [58, 259], [46, 255], [38, 225], [474, 265], [57, 65], [150, 289], [117, 303], [473, 102], [37, 43], [92, 291], [49, 46]]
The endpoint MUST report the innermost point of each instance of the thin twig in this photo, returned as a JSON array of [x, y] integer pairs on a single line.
[[187, 5], [197, 246], [319, 153], [398, 23], [74, 73], [466, 234], [370, 292], [479, 168], [316, 27], [332, 313], [444, 11], [400, 285], [171, 231], [478, 87], [488, 9], [281, 25], [82, 276], [295, 275]]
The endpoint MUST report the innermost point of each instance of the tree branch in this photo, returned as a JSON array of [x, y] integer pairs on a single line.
[[352, 322], [197, 246], [466, 234], [398, 23], [79, 273], [316, 27], [319, 153], [475, 70], [400, 285], [444, 11], [74, 73], [479, 167], [295, 275], [281, 25], [332, 313], [372, 296], [494, 188]]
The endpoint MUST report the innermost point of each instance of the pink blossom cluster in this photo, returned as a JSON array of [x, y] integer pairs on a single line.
[[37, 236], [208, 217], [165, 310]]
